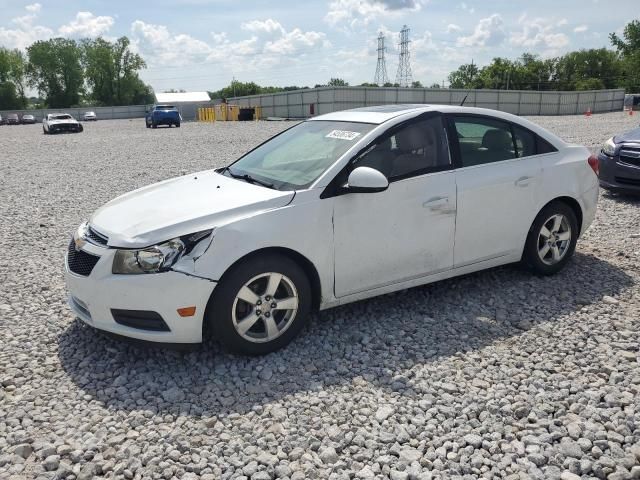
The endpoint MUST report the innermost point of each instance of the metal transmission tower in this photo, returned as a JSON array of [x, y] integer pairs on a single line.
[[381, 68], [404, 77]]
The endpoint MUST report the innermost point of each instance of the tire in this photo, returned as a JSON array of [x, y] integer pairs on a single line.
[[44, 131], [250, 278], [80, 128], [178, 125], [154, 125], [147, 124], [544, 254]]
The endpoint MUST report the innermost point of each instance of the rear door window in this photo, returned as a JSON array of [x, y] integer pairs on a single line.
[[483, 140]]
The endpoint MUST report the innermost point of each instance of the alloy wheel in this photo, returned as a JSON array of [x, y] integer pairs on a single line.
[[265, 307], [554, 239]]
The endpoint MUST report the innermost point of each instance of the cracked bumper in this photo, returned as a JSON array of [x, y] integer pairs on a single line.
[[92, 297]]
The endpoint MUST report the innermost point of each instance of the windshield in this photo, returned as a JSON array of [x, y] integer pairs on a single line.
[[61, 117], [298, 156]]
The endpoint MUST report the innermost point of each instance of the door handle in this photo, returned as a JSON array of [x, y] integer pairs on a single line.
[[523, 181], [436, 202]]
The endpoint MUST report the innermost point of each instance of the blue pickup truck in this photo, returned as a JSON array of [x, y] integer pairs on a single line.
[[162, 115]]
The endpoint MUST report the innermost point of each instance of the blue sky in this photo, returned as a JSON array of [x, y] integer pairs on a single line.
[[203, 44]]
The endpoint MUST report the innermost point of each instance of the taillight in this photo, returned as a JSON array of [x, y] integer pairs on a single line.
[[594, 163]]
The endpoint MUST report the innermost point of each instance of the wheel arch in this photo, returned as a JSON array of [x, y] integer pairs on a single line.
[[573, 204], [307, 266]]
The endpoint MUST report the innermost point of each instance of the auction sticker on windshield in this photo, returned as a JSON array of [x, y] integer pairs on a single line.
[[342, 134]]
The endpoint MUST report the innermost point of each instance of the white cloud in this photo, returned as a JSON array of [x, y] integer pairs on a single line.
[[581, 29], [423, 43], [263, 26], [294, 41], [26, 32], [467, 8], [538, 33], [160, 46], [453, 28], [488, 32], [363, 12], [33, 8], [86, 24], [269, 44], [562, 22]]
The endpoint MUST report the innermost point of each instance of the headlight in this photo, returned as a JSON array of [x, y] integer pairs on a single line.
[[158, 258], [609, 148]]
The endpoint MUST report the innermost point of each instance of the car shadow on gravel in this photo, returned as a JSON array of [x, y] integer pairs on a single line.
[[633, 200], [376, 341]]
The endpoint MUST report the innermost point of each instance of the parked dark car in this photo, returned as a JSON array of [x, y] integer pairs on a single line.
[[163, 115], [13, 119], [619, 162], [28, 119]]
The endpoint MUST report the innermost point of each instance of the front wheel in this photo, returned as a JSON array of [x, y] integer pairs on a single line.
[[178, 125], [154, 125], [44, 130], [552, 239], [260, 305]]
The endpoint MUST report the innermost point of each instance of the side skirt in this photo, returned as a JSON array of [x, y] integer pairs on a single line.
[[454, 272]]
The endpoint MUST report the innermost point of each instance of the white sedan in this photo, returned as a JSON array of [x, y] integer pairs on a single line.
[[90, 116], [339, 208], [60, 122]]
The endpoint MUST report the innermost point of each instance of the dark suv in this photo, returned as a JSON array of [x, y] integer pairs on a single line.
[[13, 119], [619, 162]]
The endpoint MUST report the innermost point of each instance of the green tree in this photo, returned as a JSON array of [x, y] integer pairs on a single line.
[[466, 76], [9, 99], [12, 78], [111, 71], [55, 70], [629, 49], [338, 82], [417, 84], [583, 67]]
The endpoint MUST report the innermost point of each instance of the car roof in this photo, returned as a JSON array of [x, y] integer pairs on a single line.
[[381, 113]]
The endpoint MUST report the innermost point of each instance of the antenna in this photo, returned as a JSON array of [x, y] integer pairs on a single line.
[[464, 99], [380, 77], [404, 77]]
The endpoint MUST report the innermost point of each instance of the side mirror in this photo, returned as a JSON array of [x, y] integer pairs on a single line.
[[366, 180]]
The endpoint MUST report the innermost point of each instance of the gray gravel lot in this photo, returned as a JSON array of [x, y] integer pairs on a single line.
[[498, 374]]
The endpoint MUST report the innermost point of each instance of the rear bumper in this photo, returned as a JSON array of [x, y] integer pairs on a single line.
[[618, 176], [165, 120], [96, 299]]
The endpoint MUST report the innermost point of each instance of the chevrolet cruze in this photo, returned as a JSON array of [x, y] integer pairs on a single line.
[[338, 208]]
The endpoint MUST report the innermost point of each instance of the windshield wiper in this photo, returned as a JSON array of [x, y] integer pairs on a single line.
[[248, 178]]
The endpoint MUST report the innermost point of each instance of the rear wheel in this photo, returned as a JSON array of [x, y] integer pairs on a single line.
[[260, 305], [44, 130], [154, 125], [178, 125], [552, 239]]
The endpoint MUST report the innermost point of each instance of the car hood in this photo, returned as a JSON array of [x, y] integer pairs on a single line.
[[632, 136], [66, 120], [181, 206]]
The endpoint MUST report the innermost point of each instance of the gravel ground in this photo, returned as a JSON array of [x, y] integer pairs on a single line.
[[498, 374]]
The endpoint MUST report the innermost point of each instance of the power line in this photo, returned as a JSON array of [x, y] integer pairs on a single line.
[[380, 77], [404, 77]]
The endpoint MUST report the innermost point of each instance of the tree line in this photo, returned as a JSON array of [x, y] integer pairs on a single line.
[[584, 69], [69, 73]]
